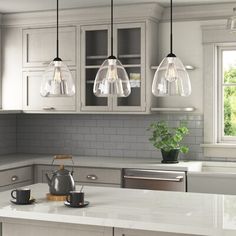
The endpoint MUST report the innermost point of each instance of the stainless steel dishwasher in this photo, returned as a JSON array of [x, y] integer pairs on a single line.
[[154, 179]]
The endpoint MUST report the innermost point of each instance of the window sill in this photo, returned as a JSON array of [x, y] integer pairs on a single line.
[[219, 150]]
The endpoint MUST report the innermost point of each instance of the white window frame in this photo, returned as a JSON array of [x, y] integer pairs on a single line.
[[221, 85], [214, 37]]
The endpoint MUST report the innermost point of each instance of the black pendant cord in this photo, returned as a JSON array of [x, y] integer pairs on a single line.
[[112, 36], [57, 28], [171, 28]]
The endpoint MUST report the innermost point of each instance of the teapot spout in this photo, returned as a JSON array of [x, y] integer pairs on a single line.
[[48, 179]]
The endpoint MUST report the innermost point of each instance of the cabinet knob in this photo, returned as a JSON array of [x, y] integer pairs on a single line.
[[14, 178], [48, 108], [92, 177]]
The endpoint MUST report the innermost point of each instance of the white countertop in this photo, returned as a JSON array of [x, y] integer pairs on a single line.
[[18, 160], [184, 213]]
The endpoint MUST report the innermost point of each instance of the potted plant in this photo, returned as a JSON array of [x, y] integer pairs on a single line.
[[168, 140]]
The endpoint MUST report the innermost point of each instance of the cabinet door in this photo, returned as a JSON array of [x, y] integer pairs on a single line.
[[130, 50], [39, 46], [33, 101], [132, 232], [94, 50], [30, 228]]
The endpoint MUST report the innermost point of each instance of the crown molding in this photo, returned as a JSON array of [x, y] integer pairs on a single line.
[[151, 11], [199, 12]]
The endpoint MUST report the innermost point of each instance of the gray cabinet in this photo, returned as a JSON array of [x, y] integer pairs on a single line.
[[132, 232], [33, 101], [30, 228], [39, 49], [39, 46], [17, 177], [84, 175]]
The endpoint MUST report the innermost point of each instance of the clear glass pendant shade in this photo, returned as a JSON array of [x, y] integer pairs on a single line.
[[112, 80], [57, 81], [231, 24], [171, 79]]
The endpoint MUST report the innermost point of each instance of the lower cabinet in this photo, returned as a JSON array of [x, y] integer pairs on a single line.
[[38, 229], [84, 175], [133, 232], [16, 177]]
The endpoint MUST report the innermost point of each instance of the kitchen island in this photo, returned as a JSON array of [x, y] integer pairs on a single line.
[[121, 212]]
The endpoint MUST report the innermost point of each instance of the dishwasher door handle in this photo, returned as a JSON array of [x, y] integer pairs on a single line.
[[176, 179]]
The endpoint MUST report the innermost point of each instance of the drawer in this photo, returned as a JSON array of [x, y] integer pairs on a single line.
[[97, 175], [18, 175]]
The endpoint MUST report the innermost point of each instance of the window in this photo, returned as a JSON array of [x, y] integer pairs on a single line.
[[219, 60], [227, 94]]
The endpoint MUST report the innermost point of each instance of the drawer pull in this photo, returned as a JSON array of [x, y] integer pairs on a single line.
[[92, 177], [14, 178], [48, 108]]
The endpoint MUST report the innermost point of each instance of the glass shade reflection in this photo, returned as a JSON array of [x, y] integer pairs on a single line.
[[171, 79], [112, 80], [57, 81]]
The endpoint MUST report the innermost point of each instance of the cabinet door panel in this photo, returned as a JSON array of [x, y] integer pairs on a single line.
[[130, 50], [132, 232], [33, 101], [93, 53], [39, 46], [32, 229]]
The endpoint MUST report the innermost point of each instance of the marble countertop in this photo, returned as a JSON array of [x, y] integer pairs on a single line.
[[18, 160], [162, 211]]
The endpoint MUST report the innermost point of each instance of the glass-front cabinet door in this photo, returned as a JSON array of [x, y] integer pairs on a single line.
[[130, 50], [93, 53]]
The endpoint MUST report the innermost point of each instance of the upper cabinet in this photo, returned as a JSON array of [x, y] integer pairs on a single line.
[[84, 44], [39, 49], [129, 48], [39, 46]]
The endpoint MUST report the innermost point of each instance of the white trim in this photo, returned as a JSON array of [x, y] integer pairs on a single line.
[[219, 150], [85, 15], [200, 12]]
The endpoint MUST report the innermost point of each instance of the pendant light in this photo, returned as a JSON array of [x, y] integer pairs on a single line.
[[112, 78], [231, 24], [57, 79], [171, 77]]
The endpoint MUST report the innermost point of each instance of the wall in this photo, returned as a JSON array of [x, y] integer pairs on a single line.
[[100, 135], [7, 134]]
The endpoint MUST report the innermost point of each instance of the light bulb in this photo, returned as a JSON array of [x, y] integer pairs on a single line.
[[171, 72], [57, 81]]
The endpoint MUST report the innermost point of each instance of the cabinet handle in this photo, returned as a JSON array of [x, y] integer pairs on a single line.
[[48, 108], [92, 177], [14, 178]]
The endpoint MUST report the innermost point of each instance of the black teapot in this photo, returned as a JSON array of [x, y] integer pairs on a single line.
[[61, 182]]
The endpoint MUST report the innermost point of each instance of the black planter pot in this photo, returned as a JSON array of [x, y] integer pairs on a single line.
[[170, 156]]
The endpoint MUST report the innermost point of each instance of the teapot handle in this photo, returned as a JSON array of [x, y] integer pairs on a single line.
[[64, 157]]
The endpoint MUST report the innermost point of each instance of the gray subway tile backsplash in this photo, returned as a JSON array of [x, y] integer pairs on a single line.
[[101, 135]]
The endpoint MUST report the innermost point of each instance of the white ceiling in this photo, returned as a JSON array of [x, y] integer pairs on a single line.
[[11, 6]]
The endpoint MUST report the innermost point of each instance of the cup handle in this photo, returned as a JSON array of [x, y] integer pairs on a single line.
[[12, 194], [68, 198]]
